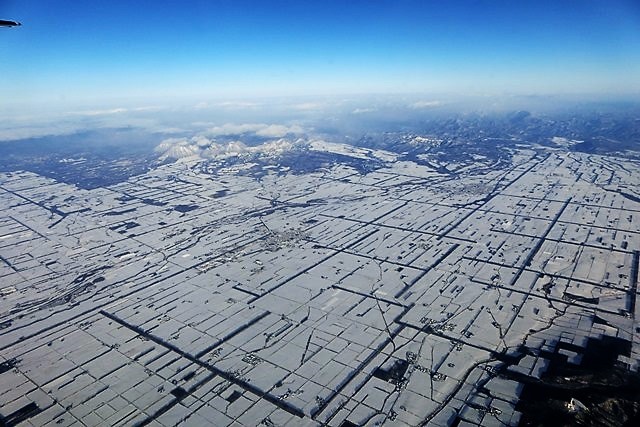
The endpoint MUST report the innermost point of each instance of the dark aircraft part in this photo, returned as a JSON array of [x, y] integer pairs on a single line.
[[4, 23]]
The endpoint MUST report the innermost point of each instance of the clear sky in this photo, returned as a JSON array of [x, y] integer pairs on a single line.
[[94, 52]]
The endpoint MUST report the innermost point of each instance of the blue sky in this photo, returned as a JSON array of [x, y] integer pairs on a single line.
[[102, 52]]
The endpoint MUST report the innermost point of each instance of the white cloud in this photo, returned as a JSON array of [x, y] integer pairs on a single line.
[[425, 104], [100, 112], [259, 129], [201, 141], [363, 110], [117, 110], [278, 131], [17, 131], [238, 104], [308, 106], [234, 129]]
